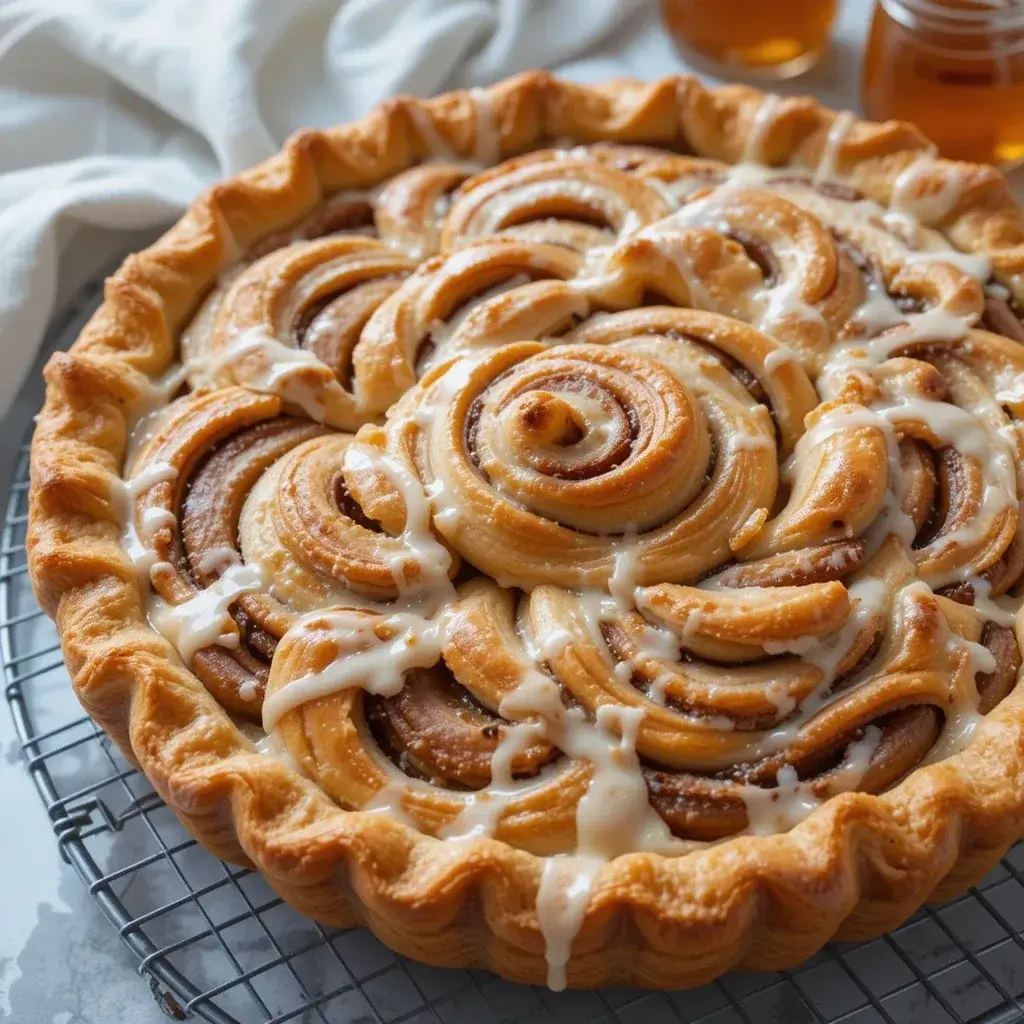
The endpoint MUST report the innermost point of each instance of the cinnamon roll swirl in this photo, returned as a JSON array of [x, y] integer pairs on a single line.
[[656, 510], [595, 503]]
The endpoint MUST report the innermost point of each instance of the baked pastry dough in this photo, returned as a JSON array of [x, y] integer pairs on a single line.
[[562, 519]]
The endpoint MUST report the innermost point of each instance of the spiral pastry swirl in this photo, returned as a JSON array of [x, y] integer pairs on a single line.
[[604, 470], [538, 521]]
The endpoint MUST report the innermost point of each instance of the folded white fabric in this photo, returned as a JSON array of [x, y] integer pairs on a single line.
[[117, 112]]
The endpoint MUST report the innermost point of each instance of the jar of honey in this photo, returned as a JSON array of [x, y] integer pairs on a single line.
[[764, 38], [956, 69]]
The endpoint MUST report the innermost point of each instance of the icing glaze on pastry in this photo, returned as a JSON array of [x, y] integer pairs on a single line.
[[600, 501]]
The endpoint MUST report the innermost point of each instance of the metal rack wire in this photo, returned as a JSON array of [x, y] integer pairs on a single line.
[[215, 943]]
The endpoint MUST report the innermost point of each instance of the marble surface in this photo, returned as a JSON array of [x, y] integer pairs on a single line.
[[61, 961]]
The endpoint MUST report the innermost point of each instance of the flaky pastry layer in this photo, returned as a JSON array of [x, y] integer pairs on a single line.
[[859, 865]]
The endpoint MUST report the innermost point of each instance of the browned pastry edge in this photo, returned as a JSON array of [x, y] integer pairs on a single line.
[[857, 866]]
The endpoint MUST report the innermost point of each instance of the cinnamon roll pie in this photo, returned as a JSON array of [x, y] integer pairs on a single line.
[[571, 530]]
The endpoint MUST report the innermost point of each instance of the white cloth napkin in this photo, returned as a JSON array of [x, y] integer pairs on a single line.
[[117, 112]]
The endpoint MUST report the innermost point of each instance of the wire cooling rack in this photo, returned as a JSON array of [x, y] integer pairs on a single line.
[[216, 944]]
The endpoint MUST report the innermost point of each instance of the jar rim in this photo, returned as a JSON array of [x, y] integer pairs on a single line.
[[929, 14]]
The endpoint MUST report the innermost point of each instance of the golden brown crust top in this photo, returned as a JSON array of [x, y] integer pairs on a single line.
[[237, 467]]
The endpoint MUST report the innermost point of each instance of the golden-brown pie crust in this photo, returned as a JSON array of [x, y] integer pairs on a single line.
[[859, 865]]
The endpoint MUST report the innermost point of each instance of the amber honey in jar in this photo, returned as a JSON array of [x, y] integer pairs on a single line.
[[770, 38], [956, 69]]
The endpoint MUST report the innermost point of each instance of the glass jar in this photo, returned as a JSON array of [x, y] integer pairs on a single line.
[[766, 38], [956, 69]]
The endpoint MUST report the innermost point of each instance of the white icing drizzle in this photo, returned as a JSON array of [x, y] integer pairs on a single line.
[[931, 208], [747, 442], [655, 644], [868, 598], [282, 373], [749, 175], [790, 801], [413, 626], [488, 139], [154, 519], [566, 885], [364, 659], [1001, 610], [204, 620], [962, 715], [389, 801], [152, 411], [486, 806], [893, 520], [779, 357], [622, 584], [418, 541], [158, 472], [613, 817], [272, 747], [837, 133], [123, 496], [217, 559], [974, 265], [378, 645], [437, 148], [876, 314], [671, 247], [772, 305], [753, 150], [906, 228], [955, 426], [783, 302], [665, 191]]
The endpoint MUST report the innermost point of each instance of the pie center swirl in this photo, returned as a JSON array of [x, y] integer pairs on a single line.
[[606, 499]]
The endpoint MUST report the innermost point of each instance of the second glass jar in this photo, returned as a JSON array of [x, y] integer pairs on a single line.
[[955, 68]]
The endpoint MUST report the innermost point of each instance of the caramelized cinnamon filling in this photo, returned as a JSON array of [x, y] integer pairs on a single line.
[[348, 506], [995, 685], [828, 189], [961, 592], [1003, 316], [705, 809], [951, 508], [333, 217], [219, 486], [330, 327], [436, 727], [209, 517], [469, 433], [761, 254], [872, 273], [605, 452], [558, 208]]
